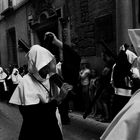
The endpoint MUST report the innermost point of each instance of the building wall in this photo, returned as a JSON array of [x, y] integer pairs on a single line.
[[92, 20], [21, 24], [83, 21], [89, 21], [3, 44], [18, 20]]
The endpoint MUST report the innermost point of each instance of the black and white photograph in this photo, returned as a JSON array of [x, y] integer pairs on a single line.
[[69, 70]]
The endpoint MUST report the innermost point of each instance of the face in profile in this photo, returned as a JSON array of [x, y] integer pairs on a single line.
[[50, 68]]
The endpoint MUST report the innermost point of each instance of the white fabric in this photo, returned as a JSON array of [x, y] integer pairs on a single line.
[[130, 56], [30, 91], [122, 92], [84, 75], [38, 57], [3, 75], [134, 35], [16, 78], [126, 125], [59, 119], [135, 72]]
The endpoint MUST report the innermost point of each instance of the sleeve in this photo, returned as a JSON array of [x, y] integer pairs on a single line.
[[71, 65], [127, 128]]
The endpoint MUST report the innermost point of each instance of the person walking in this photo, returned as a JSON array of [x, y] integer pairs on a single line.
[[38, 97]]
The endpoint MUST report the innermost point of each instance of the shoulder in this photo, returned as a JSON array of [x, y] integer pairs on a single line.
[[26, 80]]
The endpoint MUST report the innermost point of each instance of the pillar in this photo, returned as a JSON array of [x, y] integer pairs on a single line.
[[124, 21]]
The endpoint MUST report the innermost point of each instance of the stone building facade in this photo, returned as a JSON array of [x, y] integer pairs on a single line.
[[81, 22]]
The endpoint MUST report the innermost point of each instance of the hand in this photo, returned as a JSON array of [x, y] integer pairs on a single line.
[[66, 88], [64, 92], [55, 40]]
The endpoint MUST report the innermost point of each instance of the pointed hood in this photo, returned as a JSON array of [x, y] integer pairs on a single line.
[[38, 57]]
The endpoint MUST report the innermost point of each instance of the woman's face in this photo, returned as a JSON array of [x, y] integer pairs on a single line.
[[50, 68]]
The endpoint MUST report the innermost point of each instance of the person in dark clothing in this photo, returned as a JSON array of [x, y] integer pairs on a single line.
[[121, 79], [70, 66]]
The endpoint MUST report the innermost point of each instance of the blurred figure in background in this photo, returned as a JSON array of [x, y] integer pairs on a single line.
[[3, 85], [13, 80], [121, 78], [84, 76]]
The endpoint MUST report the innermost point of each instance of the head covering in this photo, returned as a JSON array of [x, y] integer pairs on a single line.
[[16, 77], [38, 57], [136, 67], [3, 75], [131, 56], [134, 35], [29, 90]]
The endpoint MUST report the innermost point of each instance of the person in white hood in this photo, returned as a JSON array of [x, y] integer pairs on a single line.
[[38, 99], [3, 86]]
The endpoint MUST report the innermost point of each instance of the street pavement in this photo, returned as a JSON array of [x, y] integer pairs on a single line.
[[83, 129], [10, 121], [78, 129]]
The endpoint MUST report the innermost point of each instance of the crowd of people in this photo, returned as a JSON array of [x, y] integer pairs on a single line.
[[9, 79], [104, 95], [40, 98], [96, 90], [43, 92], [99, 96]]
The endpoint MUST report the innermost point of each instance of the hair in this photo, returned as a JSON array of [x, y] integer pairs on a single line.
[[48, 38]]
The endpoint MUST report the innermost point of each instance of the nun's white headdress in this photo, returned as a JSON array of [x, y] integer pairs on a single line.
[[29, 90], [38, 57]]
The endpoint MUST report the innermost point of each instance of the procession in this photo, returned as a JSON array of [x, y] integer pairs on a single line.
[[69, 70]]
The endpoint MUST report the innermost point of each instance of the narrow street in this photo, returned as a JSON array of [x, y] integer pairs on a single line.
[[78, 129], [83, 129]]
